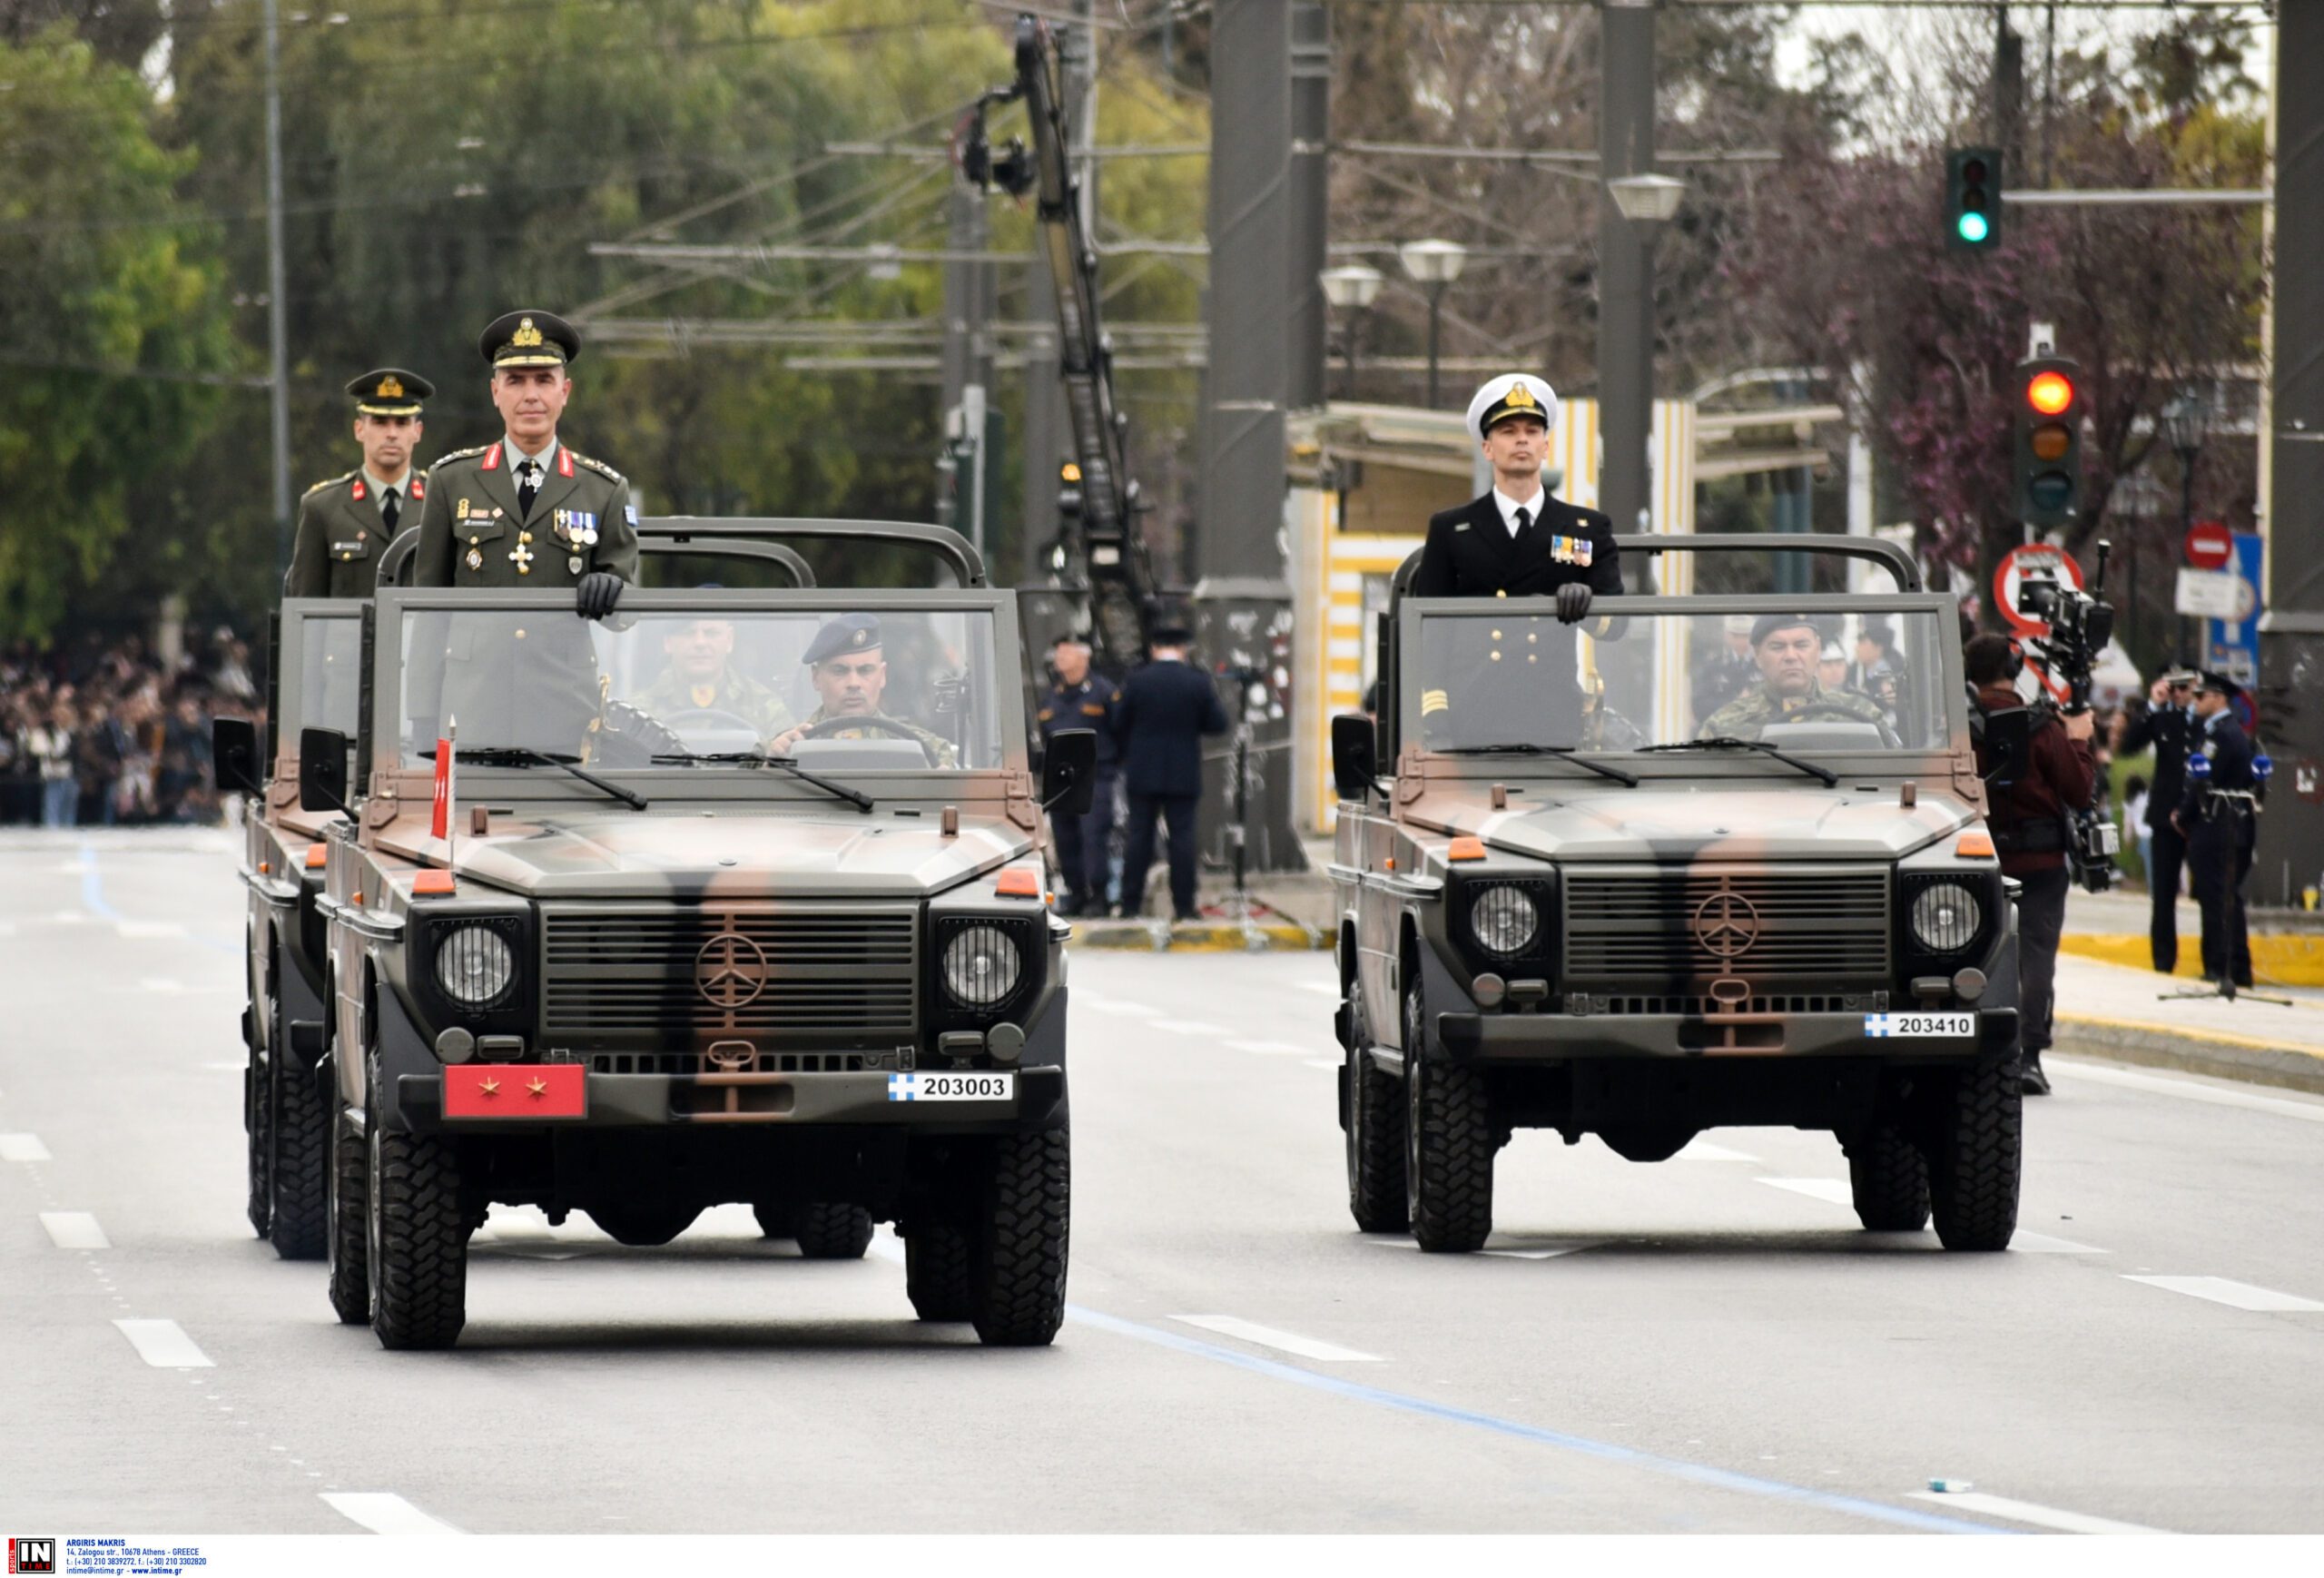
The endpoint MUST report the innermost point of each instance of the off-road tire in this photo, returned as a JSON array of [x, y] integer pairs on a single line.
[[348, 1231], [940, 1266], [1017, 1295], [1889, 1180], [776, 1221], [1376, 1143], [258, 1126], [643, 1224], [829, 1231], [301, 1173], [1975, 1153], [1449, 1145], [418, 1251]]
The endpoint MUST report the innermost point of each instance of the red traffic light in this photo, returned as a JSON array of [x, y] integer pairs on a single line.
[[2050, 393]]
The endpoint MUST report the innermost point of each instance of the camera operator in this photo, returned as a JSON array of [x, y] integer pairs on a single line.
[[2218, 816], [2029, 818], [2169, 727]]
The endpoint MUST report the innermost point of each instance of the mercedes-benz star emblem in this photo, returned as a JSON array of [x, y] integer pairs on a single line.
[[730, 970], [1726, 924]]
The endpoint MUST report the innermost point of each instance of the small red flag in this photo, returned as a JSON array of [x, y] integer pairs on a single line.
[[441, 825]]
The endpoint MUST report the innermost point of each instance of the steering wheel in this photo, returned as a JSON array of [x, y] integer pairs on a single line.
[[1827, 711], [632, 737], [886, 725]]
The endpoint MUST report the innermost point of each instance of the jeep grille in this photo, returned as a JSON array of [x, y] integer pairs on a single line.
[[1814, 930]]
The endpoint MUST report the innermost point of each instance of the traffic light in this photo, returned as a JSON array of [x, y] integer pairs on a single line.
[[1973, 199], [2049, 441]]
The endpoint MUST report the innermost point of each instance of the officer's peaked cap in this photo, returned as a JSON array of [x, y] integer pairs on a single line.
[[2218, 684], [390, 392], [1512, 394], [849, 632], [530, 337]]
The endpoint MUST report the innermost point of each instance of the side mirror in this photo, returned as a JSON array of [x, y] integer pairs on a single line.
[[1070, 773], [323, 771], [1353, 753], [234, 755]]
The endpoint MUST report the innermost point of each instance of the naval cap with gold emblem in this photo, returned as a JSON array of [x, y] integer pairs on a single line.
[[390, 392], [530, 337], [1512, 394], [849, 632]]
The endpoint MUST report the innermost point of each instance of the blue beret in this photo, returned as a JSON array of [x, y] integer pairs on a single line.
[[848, 633]]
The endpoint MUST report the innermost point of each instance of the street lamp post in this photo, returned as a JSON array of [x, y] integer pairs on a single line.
[[1642, 202], [2183, 421], [1434, 265], [1351, 289]]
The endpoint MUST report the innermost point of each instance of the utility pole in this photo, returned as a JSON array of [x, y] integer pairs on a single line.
[[277, 307], [1311, 130], [967, 368], [1624, 263]]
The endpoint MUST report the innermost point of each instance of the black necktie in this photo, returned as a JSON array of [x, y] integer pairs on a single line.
[[389, 510], [1524, 519], [527, 489]]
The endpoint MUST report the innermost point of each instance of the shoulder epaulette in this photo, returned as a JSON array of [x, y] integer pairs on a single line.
[[329, 481], [460, 455], [599, 467]]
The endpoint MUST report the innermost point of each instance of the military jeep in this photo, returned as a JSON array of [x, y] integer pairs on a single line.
[[1583, 889], [610, 960]]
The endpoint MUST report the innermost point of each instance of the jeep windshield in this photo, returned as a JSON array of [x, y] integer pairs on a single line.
[[1801, 680], [708, 690]]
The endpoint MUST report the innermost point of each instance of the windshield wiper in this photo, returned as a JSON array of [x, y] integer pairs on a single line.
[[1729, 743], [526, 756], [1570, 752], [855, 797]]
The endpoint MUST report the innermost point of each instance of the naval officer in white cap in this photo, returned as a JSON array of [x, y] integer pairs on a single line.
[[1517, 541]]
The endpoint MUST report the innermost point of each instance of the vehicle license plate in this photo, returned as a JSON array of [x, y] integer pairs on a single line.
[[516, 1091], [951, 1087], [1880, 1026]]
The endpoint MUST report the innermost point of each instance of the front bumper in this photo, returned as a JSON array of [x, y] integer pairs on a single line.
[[679, 1101], [1568, 1037]]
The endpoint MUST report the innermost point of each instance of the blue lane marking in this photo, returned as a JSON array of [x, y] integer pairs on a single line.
[[93, 899], [1605, 1451]]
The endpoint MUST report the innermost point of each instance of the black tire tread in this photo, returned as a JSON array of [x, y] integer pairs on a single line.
[[1975, 1160], [1888, 1178], [1451, 1197], [302, 1133], [423, 1275], [832, 1230], [1375, 1147], [1019, 1286], [349, 1282], [940, 1271]]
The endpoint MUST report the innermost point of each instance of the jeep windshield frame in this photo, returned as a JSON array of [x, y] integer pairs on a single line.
[[316, 675]]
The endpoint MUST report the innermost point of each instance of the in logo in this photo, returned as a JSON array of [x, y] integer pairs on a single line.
[[730, 970], [32, 1555]]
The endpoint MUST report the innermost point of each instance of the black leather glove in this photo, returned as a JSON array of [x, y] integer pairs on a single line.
[[595, 597], [1574, 602]]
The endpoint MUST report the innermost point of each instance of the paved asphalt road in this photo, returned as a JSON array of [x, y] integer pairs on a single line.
[[1706, 1344]]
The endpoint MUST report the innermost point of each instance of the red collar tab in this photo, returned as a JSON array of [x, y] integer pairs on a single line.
[[359, 491], [491, 459], [418, 486], [563, 461]]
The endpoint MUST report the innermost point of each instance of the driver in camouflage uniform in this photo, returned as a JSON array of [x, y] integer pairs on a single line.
[[850, 673], [701, 677], [1786, 648]]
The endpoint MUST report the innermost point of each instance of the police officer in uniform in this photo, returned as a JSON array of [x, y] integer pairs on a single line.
[[701, 678], [346, 521], [1081, 699], [2218, 816], [1786, 650], [529, 511], [2168, 724], [850, 673]]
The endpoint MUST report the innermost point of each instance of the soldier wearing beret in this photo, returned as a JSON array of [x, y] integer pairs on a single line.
[[2218, 814], [346, 522], [529, 511], [1786, 650], [850, 673]]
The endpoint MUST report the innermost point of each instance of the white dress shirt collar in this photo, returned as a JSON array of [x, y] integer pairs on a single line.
[[1510, 506]]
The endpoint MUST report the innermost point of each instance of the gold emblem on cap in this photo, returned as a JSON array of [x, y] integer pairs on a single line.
[[525, 335], [1519, 398], [390, 388]]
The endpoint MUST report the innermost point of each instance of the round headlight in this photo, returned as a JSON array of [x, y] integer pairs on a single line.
[[981, 966], [474, 965], [1503, 920], [1945, 918]]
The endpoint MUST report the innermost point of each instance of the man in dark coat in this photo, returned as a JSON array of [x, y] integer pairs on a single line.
[[1165, 708], [2168, 725]]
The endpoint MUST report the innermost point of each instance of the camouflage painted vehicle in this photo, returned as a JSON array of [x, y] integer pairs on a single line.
[[1564, 905], [642, 970], [315, 678]]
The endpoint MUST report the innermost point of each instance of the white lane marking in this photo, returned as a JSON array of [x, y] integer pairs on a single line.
[[162, 1345], [2017, 1511], [1270, 1049], [72, 917], [1324, 1063], [236, 1067], [2024, 1243], [1328, 988], [1268, 1336], [2235, 1295], [2192, 1090], [1121, 1006], [385, 1513], [74, 1230], [1188, 1027], [140, 930], [23, 1147], [1704, 1150], [1508, 1248], [1832, 1190]]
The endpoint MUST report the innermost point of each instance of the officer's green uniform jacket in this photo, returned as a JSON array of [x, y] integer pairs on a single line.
[[1752, 711], [940, 749], [341, 537], [734, 693], [474, 535]]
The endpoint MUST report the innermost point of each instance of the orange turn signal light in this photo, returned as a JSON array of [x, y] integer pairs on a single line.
[[431, 882], [1466, 849], [1977, 845], [1017, 882], [317, 854], [265, 867]]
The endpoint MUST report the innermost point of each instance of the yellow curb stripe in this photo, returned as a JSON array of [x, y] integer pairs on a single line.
[[2286, 960], [2187, 1034]]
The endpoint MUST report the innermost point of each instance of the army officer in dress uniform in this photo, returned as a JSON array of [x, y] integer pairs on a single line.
[[850, 673], [527, 511], [346, 522]]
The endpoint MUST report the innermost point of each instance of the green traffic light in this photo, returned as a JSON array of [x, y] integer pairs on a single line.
[[1974, 228]]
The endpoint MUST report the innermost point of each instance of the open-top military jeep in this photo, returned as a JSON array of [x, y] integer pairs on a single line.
[[639, 963], [1584, 889]]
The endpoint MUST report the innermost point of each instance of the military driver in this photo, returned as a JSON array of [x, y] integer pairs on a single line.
[[701, 677], [851, 674], [1786, 648], [346, 523]]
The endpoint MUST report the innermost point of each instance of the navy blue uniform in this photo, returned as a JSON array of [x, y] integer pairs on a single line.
[[1165, 708], [1084, 844], [2222, 825], [1470, 552], [2171, 730]]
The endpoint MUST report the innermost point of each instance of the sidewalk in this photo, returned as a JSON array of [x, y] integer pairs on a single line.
[[2287, 946], [2119, 1012]]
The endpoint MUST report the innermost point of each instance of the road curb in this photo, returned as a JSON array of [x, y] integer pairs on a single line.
[[2248, 1058], [2284, 959], [1196, 937]]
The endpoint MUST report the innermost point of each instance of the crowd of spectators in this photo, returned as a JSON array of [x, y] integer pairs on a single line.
[[98, 733]]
